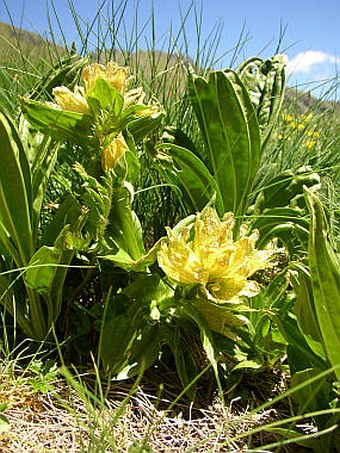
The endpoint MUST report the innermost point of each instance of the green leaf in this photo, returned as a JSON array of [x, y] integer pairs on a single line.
[[185, 363], [206, 337], [47, 271], [15, 195], [286, 223], [41, 152], [42, 268], [4, 423], [220, 319], [265, 81], [191, 175], [304, 309], [59, 124], [148, 288], [312, 396], [68, 212], [144, 352], [142, 127], [325, 276], [129, 344], [230, 129], [104, 97], [300, 355], [286, 189], [124, 227], [122, 259]]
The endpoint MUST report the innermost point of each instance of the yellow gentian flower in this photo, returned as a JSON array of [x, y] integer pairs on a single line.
[[73, 101], [117, 76], [111, 153], [206, 255]]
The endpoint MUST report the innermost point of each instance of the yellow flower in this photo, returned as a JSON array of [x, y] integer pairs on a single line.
[[288, 117], [207, 255], [117, 76], [73, 101], [310, 144], [113, 152], [307, 117], [314, 134]]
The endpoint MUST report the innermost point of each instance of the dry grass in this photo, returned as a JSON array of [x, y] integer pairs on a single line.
[[61, 420]]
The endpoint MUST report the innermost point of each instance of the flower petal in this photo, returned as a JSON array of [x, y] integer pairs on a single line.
[[71, 101]]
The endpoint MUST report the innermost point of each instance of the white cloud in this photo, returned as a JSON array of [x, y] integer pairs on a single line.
[[305, 61]]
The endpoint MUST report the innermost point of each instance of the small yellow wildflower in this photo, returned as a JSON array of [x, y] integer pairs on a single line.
[[314, 134], [207, 255], [73, 101], [307, 117], [310, 144], [113, 152], [288, 117]]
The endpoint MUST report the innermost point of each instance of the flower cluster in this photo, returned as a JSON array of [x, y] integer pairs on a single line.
[[113, 144], [300, 124], [205, 254]]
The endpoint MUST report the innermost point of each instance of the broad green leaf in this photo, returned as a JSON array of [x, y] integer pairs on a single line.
[[231, 133], [219, 318], [15, 193], [193, 178], [312, 396], [47, 271], [42, 268], [143, 353], [246, 364], [117, 335], [59, 124], [304, 307], [148, 289], [41, 152], [325, 276], [4, 423]]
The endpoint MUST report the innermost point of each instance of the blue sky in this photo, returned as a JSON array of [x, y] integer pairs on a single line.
[[311, 40]]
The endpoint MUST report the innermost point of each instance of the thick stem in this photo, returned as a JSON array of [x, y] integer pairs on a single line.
[[37, 319]]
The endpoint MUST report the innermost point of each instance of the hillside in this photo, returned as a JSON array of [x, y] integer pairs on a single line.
[[21, 49]]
